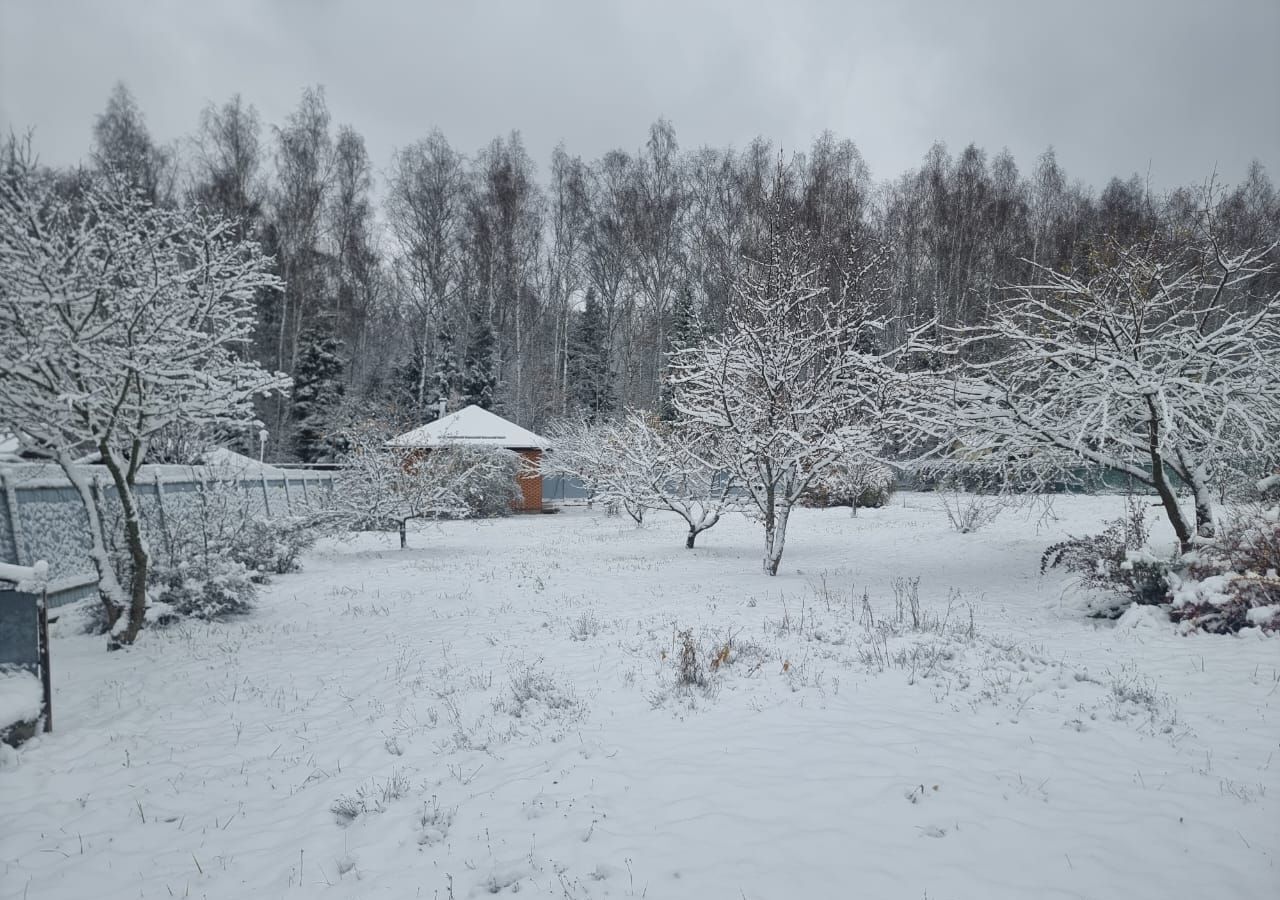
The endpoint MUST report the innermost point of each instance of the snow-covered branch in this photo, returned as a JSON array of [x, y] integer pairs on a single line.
[[641, 463], [380, 486], [1156, 361], [792, 386]]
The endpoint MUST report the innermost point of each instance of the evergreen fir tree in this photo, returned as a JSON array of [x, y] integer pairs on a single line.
[[686, 331], [447, 378], [590, 377], [480, 375], [408, 408], [317, 393], [417, 402]]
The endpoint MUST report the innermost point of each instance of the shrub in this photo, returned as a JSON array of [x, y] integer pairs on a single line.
[[210, 551], [269, 546], [490, 492], [970, 512], [1233, 583], [689, 671], [1116, 560], [1221, 587], [861, 484], [211, 589]]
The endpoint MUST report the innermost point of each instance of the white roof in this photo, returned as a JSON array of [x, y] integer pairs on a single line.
[[474, 426], [222, 458]]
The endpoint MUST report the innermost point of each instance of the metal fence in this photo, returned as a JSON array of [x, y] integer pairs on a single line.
[[563, 489], [42, 516]]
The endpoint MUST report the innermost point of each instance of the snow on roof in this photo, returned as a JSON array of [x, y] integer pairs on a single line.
[[474, 426], [222, 458], [8, 447]]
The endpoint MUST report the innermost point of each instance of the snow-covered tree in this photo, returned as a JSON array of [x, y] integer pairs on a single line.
[[1158, 361], [672, 470], [590, 376], [687, 330], [791, 387], [380, 486], [592, 453], [123, 148], [417, 387], [446, 378], [318, 390], [119, 322], [480, 365], [641, 463]]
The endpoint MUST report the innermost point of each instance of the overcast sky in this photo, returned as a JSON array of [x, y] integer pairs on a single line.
[[1175, 88]]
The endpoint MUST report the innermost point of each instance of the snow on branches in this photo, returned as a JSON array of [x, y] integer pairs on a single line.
[[793, 385], [1158, 359], [120, 321], [380, 486], [641, 463]]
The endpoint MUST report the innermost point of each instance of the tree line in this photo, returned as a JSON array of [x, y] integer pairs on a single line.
[[454, 277]]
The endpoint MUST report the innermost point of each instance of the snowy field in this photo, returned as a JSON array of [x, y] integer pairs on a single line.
[[498, 710]]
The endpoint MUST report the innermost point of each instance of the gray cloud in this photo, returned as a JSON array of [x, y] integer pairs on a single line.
[[1116, 87]]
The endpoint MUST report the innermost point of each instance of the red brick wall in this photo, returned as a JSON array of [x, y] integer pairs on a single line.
[[530, 482]]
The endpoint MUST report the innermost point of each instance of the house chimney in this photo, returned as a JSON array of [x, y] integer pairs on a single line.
[[442, 407]]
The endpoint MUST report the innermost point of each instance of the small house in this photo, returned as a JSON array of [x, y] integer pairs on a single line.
[[476, 427]]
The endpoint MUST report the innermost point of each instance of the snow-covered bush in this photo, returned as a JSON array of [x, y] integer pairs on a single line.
[[856, 483], [210, 552], [21, 701], [272, 546], [1233, 583], [381, 487], [221, 521], [208, 589], [1222, 586], [1115, 561], [969, 511], [487, 491]]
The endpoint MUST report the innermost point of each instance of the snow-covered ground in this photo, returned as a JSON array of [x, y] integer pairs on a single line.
[[20, 696], [497, 710]]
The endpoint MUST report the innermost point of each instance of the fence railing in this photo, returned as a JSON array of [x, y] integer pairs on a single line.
[[42, 516]]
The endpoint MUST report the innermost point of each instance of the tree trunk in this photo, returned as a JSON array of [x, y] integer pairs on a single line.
[[139, 553], [696, 528], [1160, 481], [1206, 521], [109, 590], [775, 539], [403, 540], [1198, 479]]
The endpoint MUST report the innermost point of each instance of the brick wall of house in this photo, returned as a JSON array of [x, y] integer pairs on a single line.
[[530, 481]]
